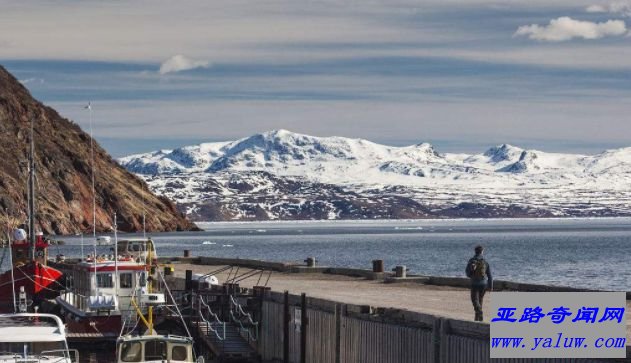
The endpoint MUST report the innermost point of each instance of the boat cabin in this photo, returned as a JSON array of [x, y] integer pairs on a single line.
[[92, 286], [20, 248], [154, 348], [137, 249], [104, 291], [34, 338]]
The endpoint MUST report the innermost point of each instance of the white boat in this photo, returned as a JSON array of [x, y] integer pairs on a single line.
[[99, 291], [34, 338]]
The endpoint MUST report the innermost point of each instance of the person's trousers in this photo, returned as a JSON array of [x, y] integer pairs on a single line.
[[477, 298]]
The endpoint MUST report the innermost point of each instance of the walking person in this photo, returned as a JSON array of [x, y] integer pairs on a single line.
[[479, 271]]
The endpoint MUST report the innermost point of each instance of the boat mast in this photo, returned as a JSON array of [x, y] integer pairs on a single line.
[[31, 197], [15, 306], [89, 107], [116, 277], [96, 280]]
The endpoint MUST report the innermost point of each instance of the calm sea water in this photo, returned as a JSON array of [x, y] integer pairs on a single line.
[[591, 253]]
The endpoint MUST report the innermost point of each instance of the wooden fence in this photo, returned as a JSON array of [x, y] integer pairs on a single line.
[[344, 333]]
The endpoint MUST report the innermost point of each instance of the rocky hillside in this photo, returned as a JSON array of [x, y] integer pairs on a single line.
[[63, 184], [284, 175]]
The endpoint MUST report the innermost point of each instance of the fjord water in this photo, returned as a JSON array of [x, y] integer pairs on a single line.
[[589, 253]]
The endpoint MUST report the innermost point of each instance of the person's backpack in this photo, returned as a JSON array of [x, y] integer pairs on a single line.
[[478, 269]]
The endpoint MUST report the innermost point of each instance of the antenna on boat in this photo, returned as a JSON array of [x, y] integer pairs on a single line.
[[15, 306], [116, 277], [144, 226], [31, 195], [89, 108]]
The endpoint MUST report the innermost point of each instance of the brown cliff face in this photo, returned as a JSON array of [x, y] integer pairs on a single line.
[[63, 174]]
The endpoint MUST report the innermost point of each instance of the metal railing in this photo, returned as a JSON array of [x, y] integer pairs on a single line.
[[209, 325], [77, 300], [241, 314]]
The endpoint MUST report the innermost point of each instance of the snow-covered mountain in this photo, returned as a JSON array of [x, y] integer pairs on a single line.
[[285, 175]]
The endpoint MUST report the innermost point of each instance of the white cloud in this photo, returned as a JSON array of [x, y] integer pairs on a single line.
[[596, 9], [620, 8], [566, 28], [32, 80], [179, 63]]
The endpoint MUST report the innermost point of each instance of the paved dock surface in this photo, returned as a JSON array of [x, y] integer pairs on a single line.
[[446, 301]]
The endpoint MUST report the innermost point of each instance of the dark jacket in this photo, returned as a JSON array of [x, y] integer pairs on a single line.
[[476, 281]]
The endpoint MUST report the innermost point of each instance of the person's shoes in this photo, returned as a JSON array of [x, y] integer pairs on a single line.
[[477, 316]]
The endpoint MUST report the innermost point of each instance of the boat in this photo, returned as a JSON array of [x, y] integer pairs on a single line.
[[138, 249], [139, 341], [134, 345], [100, 289], [29, 273], [27, 337]]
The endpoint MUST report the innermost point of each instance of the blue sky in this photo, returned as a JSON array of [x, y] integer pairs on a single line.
[[463, 75]]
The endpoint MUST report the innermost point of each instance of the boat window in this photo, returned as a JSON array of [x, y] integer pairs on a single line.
[[49, 349], [155, 350], [104, 280], [178, 353], [142, 281], [131, 352], [126, 280]]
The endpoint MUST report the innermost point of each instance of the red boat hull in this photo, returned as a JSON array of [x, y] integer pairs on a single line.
[[39, 281], [90, 328]]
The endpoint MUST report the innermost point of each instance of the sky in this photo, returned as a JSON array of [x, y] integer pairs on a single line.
[[463, 75]]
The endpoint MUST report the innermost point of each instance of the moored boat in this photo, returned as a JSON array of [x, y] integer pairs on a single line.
[[29, 276], [99, 289], [34, 338]]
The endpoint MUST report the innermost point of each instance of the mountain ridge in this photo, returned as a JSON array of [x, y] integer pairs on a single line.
[[277, 145], [252, 172]]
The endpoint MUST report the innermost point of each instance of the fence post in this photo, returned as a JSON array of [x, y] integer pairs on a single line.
[[286, 318], [188, 282], [338, 333], [304, 320], [444, 330], [436, 342]]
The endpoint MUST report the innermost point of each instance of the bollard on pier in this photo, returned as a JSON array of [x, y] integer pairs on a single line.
[[400, 271], [377, 265], [311, 261]]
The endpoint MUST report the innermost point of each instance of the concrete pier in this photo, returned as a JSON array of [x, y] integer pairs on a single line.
[[369, 291]]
